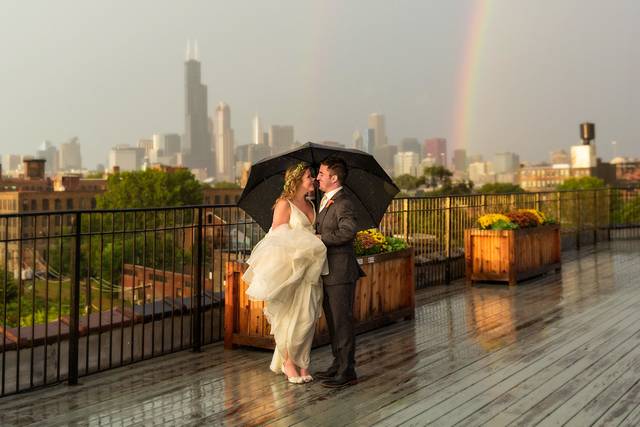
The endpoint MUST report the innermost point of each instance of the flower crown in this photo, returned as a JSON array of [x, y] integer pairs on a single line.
[[290, 179]]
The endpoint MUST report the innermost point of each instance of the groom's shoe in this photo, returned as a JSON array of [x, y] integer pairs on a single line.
[[340, 381], [328, 374]]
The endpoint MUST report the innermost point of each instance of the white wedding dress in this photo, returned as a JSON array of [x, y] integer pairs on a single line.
[[284, 271]]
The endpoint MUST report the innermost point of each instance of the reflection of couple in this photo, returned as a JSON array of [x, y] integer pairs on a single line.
[[296, 270]]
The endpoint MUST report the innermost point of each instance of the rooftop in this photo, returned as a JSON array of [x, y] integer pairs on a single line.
[[559, 349]]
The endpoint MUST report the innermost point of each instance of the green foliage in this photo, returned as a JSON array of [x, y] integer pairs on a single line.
[[500, 188], [94, 175], [225, 184], [503, 225], [437, 175], [150, 188], [582, 183], [8, 288], [630, 211], [454, 189], [407, 182]]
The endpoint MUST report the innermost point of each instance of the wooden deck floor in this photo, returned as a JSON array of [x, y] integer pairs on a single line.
[[560, 349]]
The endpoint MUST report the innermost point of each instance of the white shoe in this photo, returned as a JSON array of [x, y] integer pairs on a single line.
[[307, 378], [292, 380], [295, 380]]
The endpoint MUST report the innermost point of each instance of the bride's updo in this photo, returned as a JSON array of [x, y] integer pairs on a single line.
[[292, 179]]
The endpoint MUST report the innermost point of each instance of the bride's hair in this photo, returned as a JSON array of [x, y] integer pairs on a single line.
[[292, 179]]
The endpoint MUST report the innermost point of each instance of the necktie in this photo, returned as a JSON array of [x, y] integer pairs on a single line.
[[323, 202]]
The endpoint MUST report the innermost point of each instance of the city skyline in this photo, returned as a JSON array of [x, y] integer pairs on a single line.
[[532, 74]]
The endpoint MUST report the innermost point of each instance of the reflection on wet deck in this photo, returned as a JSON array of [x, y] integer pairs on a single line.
[[558, 349]]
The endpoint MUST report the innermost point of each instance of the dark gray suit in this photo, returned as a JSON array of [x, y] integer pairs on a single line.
[[336, 224]]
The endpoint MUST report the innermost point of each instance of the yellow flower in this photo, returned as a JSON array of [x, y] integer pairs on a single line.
[[538, 214], [487, 220]]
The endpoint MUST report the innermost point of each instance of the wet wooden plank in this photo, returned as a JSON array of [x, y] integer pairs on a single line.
[[476, 355]]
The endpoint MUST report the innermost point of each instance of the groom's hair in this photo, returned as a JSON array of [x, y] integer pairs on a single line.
[[337, 166]]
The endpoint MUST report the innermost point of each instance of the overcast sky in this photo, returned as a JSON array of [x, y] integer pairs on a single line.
[[111, 72]]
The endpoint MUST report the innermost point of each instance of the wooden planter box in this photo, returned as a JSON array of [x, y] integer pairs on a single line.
[[385, 295], [511, 255]]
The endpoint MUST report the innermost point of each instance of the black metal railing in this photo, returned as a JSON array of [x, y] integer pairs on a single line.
[[87, 291]]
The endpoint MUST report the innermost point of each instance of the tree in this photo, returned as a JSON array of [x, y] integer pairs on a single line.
[[437, 175], [225, 184], [406, 182], [150, 188], [582, 183], [500, 188], [8, 289], [454, 189]]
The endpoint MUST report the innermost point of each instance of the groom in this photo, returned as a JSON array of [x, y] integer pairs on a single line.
[[336, 227]]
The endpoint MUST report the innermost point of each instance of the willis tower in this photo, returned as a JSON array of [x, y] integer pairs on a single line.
[[196, 146]]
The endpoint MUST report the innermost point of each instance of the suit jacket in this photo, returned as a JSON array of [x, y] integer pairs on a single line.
[[336, 224]]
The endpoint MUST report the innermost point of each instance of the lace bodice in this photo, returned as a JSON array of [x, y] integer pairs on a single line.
[[298, 219]]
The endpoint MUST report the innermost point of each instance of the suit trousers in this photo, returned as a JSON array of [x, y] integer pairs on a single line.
[[338, 310]]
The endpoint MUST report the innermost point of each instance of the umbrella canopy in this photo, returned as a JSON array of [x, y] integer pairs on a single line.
[[372, 189]]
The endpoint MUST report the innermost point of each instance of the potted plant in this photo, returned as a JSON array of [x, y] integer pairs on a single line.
[[386, 294], [511, 246]]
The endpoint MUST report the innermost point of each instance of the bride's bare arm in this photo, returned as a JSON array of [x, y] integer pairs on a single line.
[[281, 213]]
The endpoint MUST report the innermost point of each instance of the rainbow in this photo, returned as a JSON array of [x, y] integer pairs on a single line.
[[468, 75]]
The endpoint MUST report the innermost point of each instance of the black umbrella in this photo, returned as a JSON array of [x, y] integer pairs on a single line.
[[371, 187]]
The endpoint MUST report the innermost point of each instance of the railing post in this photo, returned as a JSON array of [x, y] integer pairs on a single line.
[[447, 239], [405, 218], [197, 325], [74, 316], [596, 218], [610, 196], [579, 222]]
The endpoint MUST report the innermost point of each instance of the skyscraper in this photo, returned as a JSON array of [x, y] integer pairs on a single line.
[[257, 133], [70, 157], [224, 143], [406, 163], [196, 147], [280, 138], [376, 122], [358, 141], [370, 140], [49, 153], [459, 160], [126, 158], [506, 163], [410, 144], [437, 148]]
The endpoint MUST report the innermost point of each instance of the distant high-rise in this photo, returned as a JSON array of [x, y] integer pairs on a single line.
[[11, 163], [410, 144], [377, 123], [437, 148], [358, 141], [165, 149], [384, 155], [224, 143], [459, 160], [506, 163], [49, 152], [257, 133], [196, 147], [70, 157], [126, 158], [406, 163], [370, 140], [280, 138]]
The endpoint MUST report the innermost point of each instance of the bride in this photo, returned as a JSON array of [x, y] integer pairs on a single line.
[[284, 271]]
